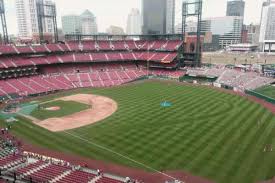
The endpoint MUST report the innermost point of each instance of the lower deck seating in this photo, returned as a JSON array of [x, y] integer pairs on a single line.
[[107, 180], [67, 76], [29, 167], [77, 176], [10, 161], [48, 173]]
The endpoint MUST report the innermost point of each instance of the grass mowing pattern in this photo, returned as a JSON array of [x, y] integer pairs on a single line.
[[66, 108], [206, 132], [267, 91]]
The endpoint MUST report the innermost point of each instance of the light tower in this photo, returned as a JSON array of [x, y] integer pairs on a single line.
[[49, 14], [193, 8], [4, 23]]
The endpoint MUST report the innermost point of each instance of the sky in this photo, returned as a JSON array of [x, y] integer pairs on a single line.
[[114, 12]]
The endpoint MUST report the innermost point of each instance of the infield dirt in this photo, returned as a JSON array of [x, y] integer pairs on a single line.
[[101, 108]]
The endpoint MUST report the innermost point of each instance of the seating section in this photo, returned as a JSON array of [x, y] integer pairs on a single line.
[[99, 45], [48, 173], [243, 80], [24, 49], [64, 77], [7, 49], [10, 161], [34, 84], [240, 80], [73, 55], [77, 176], [107, 180], [18, 61], [31, 167]]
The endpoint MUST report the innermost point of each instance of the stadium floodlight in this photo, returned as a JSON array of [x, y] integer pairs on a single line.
[[4, 23], [46, 11], [193, 8]]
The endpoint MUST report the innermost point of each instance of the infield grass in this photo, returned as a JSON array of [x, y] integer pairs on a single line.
[[66, 108], [209, 133]]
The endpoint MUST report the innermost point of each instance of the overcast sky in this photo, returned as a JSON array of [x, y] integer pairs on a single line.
[[114, 12]]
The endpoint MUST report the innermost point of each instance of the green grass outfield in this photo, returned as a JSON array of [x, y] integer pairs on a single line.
[[267, 91], [66, 108], [206, 132]]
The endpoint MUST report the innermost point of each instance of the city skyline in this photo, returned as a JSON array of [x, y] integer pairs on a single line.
[[107, 14]]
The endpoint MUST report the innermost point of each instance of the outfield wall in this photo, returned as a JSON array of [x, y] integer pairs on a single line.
[[261, 96]]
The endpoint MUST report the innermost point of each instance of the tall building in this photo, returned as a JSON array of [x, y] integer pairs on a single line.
[[170, 16], [27, 21], [158, 16], [88, 23], [267, 27], [71, 24], [244, 35], [253, 33], [235, 8], [229, 28], [191, 26], [80, 24], [134, 22]]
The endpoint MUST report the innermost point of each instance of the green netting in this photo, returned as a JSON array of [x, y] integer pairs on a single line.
[[6, 115], [25, 109]]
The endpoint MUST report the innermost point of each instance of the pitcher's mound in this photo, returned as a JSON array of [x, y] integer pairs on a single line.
[[101, 108], [55, 108]]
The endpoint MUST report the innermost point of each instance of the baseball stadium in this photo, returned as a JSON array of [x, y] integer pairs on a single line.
[[111, 111], [133, 109]]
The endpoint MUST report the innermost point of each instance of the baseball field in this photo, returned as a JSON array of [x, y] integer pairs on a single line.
[[220, 136]]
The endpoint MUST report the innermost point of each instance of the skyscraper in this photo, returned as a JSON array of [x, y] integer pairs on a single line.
[[170, 16], [80, 24], [134, 22], [253, 32], [158, 16], [267, 27], [229, 28], [27, 21], [190, 26], [88, 23], [235, 8], [71, 24]]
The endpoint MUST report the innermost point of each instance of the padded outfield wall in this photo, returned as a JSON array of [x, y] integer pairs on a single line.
[[261, 96]]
